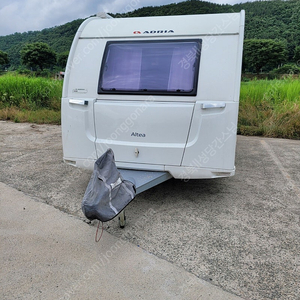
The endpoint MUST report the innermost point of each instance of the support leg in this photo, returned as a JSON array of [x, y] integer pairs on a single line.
[[122, 219]]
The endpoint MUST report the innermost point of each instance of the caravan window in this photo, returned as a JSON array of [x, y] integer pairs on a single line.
[[150, 67]]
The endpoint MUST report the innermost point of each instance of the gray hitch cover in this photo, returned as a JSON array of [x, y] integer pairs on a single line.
[[107, 193]]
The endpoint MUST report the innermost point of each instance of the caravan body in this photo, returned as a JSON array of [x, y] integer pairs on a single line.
[[161, 92]]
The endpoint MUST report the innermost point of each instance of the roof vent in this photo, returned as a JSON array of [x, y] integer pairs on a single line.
[[104, 15]]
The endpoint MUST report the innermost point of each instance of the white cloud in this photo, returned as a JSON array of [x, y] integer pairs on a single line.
[[29, 15]]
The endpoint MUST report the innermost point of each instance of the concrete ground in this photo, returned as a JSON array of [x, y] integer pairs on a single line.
[[47, 254], [239, 234]]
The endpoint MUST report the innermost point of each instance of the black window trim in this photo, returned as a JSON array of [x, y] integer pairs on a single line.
[[152, 92]]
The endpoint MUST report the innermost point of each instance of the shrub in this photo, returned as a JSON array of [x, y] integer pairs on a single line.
[[287, 69]]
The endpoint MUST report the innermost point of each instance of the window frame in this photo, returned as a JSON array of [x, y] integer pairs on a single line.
[[193, 92]]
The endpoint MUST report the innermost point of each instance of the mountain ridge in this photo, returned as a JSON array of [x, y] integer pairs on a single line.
[[271, 19]]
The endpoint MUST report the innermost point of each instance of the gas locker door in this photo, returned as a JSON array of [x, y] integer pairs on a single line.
[[143, 132], [212, 138]]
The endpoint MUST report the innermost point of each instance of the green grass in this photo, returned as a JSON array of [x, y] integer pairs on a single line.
[[270, 108], [40, 116], [267, 107], [30, 99]]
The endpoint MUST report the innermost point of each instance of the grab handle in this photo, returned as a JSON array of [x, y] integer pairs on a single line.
[[214, 105], [78, 102]]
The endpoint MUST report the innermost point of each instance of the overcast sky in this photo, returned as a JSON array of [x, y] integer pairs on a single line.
[[30, 15]]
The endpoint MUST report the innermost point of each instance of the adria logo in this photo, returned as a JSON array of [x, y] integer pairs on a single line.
[[154, 32]]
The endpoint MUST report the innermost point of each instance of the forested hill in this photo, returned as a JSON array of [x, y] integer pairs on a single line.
[[59, 38], [274, 19]]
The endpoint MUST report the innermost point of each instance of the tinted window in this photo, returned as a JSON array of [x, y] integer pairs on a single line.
[[151, 67]]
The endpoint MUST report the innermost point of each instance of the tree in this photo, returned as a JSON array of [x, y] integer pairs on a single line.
[[259, 53], [62, 59], [297, 54], [38, 55], [3, 58]]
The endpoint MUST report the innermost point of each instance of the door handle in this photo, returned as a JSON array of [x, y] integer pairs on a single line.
[[213, 105], [78, 102]]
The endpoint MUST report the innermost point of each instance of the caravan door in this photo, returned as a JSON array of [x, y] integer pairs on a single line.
[[146, 102]]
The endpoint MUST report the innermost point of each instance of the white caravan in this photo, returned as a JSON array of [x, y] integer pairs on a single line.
[[161, 92]]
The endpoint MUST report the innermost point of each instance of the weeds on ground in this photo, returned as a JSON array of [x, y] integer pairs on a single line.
[[270, 108], [30, 99]]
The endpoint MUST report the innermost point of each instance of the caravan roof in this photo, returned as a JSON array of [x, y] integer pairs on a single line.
[[176, 26]]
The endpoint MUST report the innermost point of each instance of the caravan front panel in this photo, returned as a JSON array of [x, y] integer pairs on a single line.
[[162, 92]]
